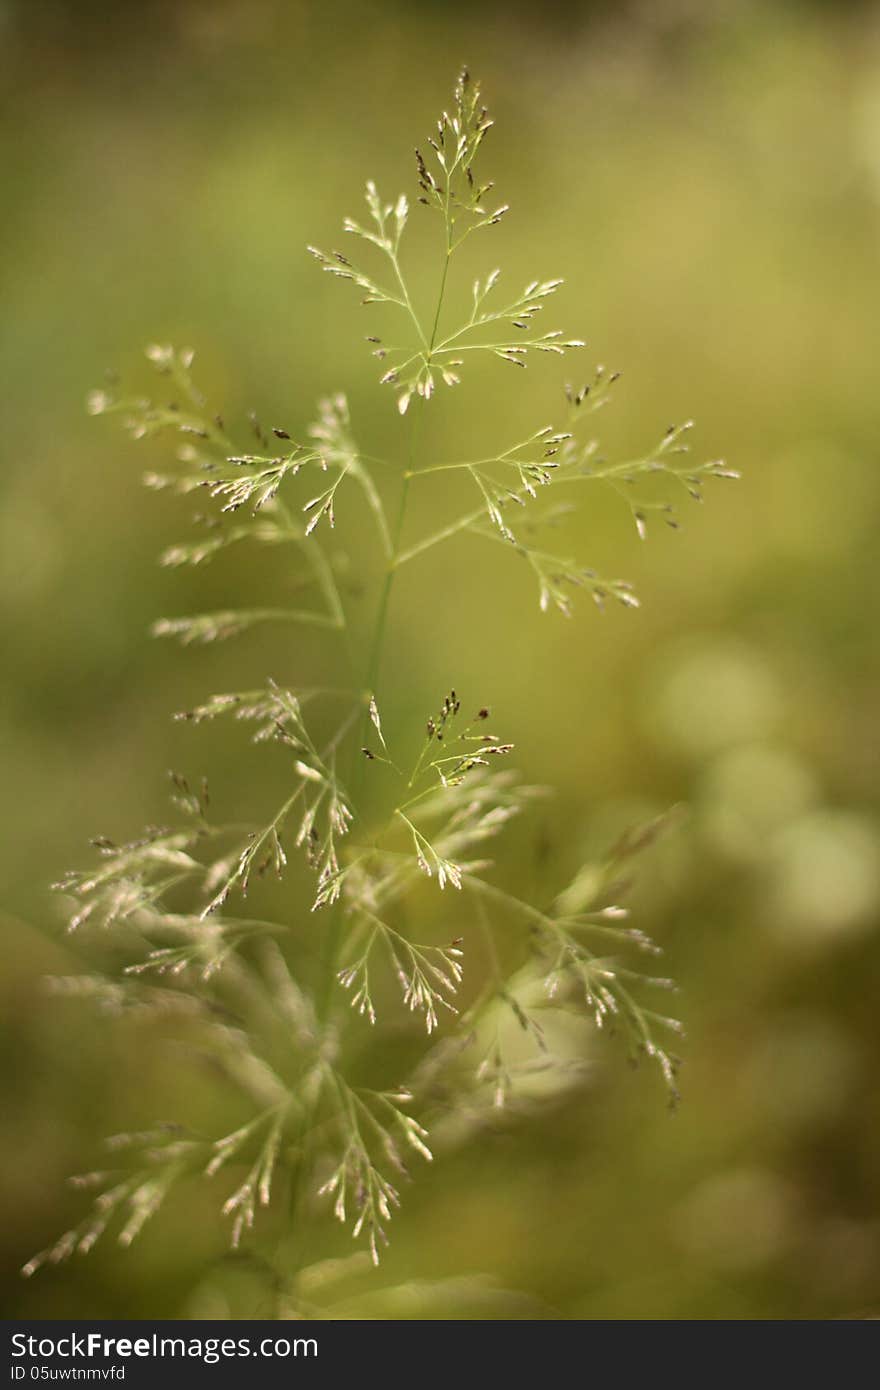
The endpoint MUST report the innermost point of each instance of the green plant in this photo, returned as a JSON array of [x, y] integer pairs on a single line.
[[285, 1022]]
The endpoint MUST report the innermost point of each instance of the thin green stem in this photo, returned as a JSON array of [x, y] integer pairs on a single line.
[[440, 296], [451, 467], [392, 256], [506, 457], [451, 530], [375, 656], [374, 661], [489, 890]]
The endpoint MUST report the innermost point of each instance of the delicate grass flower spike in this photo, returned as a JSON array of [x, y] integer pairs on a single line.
[[289, 1003]]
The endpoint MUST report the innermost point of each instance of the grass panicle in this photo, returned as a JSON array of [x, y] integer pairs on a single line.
[[284, 1000]]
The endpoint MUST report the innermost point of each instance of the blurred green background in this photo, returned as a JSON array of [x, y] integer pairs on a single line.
[[706, 176]]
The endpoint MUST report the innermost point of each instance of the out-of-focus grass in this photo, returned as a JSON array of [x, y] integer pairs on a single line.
[[707, 178]]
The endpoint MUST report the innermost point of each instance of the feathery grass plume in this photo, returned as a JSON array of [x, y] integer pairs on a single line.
[[486, 966]]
